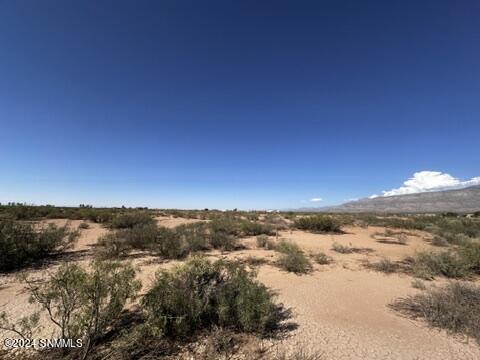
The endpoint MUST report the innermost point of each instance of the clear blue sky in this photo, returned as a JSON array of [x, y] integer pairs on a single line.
[[248, 104]]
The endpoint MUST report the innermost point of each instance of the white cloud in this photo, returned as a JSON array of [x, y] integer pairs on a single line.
[[315, 199], [424, 181]]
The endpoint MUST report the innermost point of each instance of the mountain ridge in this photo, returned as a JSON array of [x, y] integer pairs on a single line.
[[464, 200]]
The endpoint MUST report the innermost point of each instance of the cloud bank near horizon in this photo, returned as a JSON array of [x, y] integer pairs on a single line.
[[425, 181]]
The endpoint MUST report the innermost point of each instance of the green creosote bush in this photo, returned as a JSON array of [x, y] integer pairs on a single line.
[[253, 228], [130, 220], [292, 258], [195, 236], [319, 224], [24, 243], [200, 294]]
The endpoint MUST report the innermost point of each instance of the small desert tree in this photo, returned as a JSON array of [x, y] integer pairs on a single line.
[[83, 305]]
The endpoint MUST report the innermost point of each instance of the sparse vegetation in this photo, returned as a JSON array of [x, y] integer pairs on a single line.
[[429, 264], [292, 258], [342, 249], [455, 229], [319, 224], [455, 307], [439, 241], [459, 263], [84, 226], [24, 243], [385, 265], [323, 259], [418, 284]]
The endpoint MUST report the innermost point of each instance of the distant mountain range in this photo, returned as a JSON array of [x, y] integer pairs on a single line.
[[459, 200]]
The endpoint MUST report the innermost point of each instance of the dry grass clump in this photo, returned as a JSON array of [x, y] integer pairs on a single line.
[[455, 307], [322, 259], [385, 265], [298, 353], [264, 242], [391, 237], [292, 258], [84, 226], [342, 249], [418, 284], [254, 261]]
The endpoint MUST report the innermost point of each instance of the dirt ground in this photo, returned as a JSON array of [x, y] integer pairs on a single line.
[[340, 309]]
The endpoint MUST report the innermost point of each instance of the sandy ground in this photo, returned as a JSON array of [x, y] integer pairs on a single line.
[[170, 221], [340, 309]]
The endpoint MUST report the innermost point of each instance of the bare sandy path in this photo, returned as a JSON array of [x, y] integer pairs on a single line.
[[344, 314]]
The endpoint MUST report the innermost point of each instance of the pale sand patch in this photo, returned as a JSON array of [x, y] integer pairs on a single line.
[[171, 222]]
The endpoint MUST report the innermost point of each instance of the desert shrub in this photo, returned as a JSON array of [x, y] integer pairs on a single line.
[[84, 305], [342, 249], [226, 225], [112, 245], [385, 265], [318, 224], [292, 258], [418, 284], [195, 236], [169, 244], [84, 226], [254, 261], [200, 294], [322, 259], [450, 228], [22, 243], [455, 307], [156, 239], [262, 241], [130, 220], [470, 254], [402, 239], [277, 222], [120, 242], [253, 228], [439, 241], [455, 238], [431, 264]]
